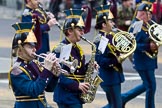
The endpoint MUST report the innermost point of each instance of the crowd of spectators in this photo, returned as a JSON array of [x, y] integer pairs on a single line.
[[57, 6]]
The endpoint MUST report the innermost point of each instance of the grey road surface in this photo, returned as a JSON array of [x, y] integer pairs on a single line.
[[132, 78]]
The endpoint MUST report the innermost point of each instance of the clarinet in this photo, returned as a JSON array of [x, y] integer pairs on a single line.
[[40, 6]]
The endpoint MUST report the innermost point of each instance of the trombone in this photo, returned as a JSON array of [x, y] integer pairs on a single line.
[[72, 65]]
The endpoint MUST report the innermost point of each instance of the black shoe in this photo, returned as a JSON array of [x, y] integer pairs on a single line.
[[123, 105]]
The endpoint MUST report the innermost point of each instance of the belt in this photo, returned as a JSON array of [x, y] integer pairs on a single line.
[[77, 77], [28, 99]]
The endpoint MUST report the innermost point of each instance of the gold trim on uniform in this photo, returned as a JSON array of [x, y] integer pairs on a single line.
[[73, 16], [28, 98], [41, 68], [44, 19], [77, 77]]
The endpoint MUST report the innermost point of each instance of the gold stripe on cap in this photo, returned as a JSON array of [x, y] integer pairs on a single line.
[[103, 11], [22, 31]]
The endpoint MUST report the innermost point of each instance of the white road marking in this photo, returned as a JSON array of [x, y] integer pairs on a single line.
[[132, 78], [141, 97], [103, 93], [135, 76], [5, 81]]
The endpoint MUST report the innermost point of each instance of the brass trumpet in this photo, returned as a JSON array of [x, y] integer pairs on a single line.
[[72, 65]]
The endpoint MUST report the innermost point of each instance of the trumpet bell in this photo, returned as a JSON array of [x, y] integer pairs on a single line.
[[72, 65]]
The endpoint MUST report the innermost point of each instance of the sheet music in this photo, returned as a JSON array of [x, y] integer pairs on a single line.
[[103, 43], [65, 52], [137, 26]]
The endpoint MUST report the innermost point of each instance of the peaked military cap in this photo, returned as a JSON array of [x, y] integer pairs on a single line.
[[103, 13], [144, 6], [24, 34], [73, 18]]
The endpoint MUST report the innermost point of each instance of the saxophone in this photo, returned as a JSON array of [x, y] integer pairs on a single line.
[[93, 80]]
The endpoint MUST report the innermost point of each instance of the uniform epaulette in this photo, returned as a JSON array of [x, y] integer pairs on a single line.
[[26, 12], [58, 47], [97, 38], [15, 69]]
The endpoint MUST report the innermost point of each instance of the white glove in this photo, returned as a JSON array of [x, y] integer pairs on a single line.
[[50, 15], [128, 22], [52, 22], [49, 61]]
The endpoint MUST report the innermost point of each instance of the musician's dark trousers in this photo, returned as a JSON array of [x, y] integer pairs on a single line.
[[149, 85], [113, 95]]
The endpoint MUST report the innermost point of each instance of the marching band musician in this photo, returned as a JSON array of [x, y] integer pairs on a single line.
[[109, 66], [143, 64], [46, 20], [69, 88], [27, 77]]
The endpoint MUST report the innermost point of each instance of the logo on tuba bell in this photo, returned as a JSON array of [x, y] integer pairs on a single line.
[[124, 42]]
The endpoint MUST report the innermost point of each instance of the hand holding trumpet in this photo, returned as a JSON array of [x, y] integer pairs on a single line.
[[57, 70], [51, 63]]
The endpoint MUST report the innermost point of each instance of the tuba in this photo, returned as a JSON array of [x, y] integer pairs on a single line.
[[125, 43], [155, 35], [93, 80]]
